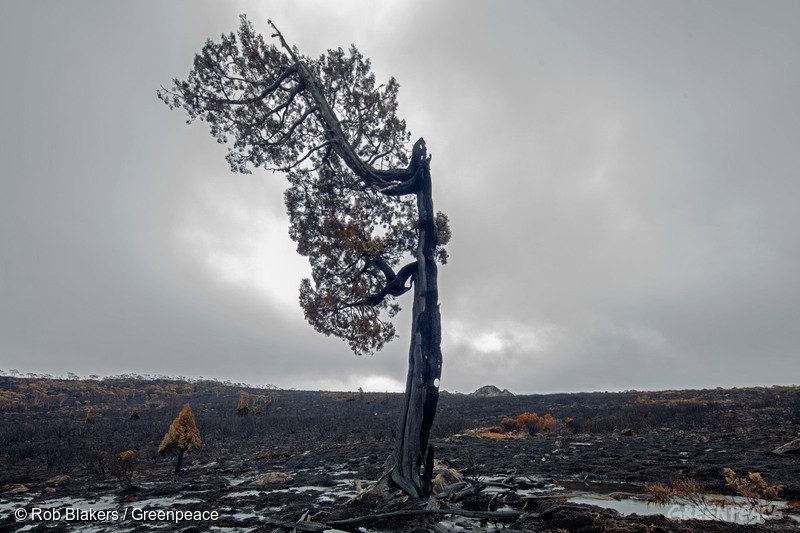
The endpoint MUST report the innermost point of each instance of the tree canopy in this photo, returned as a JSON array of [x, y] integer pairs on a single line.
[[334, 131], [182, 436]]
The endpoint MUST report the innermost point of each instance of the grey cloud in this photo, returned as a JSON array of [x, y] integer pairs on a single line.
[[620, 180]]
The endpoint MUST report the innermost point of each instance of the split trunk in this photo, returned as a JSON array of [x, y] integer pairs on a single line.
[[413, 455]]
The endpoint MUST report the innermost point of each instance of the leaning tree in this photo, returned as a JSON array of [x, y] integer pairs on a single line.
[[359, 204]]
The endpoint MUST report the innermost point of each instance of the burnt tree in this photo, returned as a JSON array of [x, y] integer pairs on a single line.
[[359, 204]]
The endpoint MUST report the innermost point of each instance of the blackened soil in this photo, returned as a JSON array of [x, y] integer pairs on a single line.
[[317, 449]]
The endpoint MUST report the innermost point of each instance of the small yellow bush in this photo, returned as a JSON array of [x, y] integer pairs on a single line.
[[183, 436], [493, 435], [753, 487]]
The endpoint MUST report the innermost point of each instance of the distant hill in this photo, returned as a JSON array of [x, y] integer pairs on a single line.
[[490, 391]]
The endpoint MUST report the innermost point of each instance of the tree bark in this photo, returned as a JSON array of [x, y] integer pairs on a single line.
[[413, 456], [180, 461]]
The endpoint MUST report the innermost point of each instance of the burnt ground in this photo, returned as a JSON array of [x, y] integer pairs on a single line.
[[306, 454]]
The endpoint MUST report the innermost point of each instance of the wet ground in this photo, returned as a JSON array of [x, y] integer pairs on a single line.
[[545, 487], [307, 463]]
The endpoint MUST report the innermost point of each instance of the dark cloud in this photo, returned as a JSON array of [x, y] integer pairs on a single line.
[[621, 181]]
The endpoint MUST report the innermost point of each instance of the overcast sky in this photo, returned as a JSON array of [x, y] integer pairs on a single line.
[[621, 178]]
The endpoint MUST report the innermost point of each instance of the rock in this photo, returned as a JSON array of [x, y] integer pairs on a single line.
[[445, 478], [490, 391], [58, 480], [627, 432], [271, 478], [16, 488], [789, 447]]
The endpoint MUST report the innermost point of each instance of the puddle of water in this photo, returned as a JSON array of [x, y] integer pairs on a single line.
[[603, 488], [734, 512]]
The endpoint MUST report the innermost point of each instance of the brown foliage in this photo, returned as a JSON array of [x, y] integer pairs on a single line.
[[493, 435], [753, 488], [261, 403], [182, 435], [531, 422], [124, 468], [242, 407]]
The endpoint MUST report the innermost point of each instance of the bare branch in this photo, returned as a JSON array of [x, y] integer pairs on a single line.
[[279, 35], [274, 86], [302, 159], [287, 134]]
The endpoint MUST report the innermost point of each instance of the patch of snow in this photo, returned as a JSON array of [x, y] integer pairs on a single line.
[[244, 493]]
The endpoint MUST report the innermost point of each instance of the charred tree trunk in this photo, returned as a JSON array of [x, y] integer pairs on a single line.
[[180, 461], [413, 456]]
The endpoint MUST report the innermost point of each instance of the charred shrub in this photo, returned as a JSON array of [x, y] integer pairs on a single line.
[[98, 464], [124, 468]]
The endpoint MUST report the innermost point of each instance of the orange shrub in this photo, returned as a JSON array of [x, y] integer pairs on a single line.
[[183, 436], [530, 422], [548, 423]]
